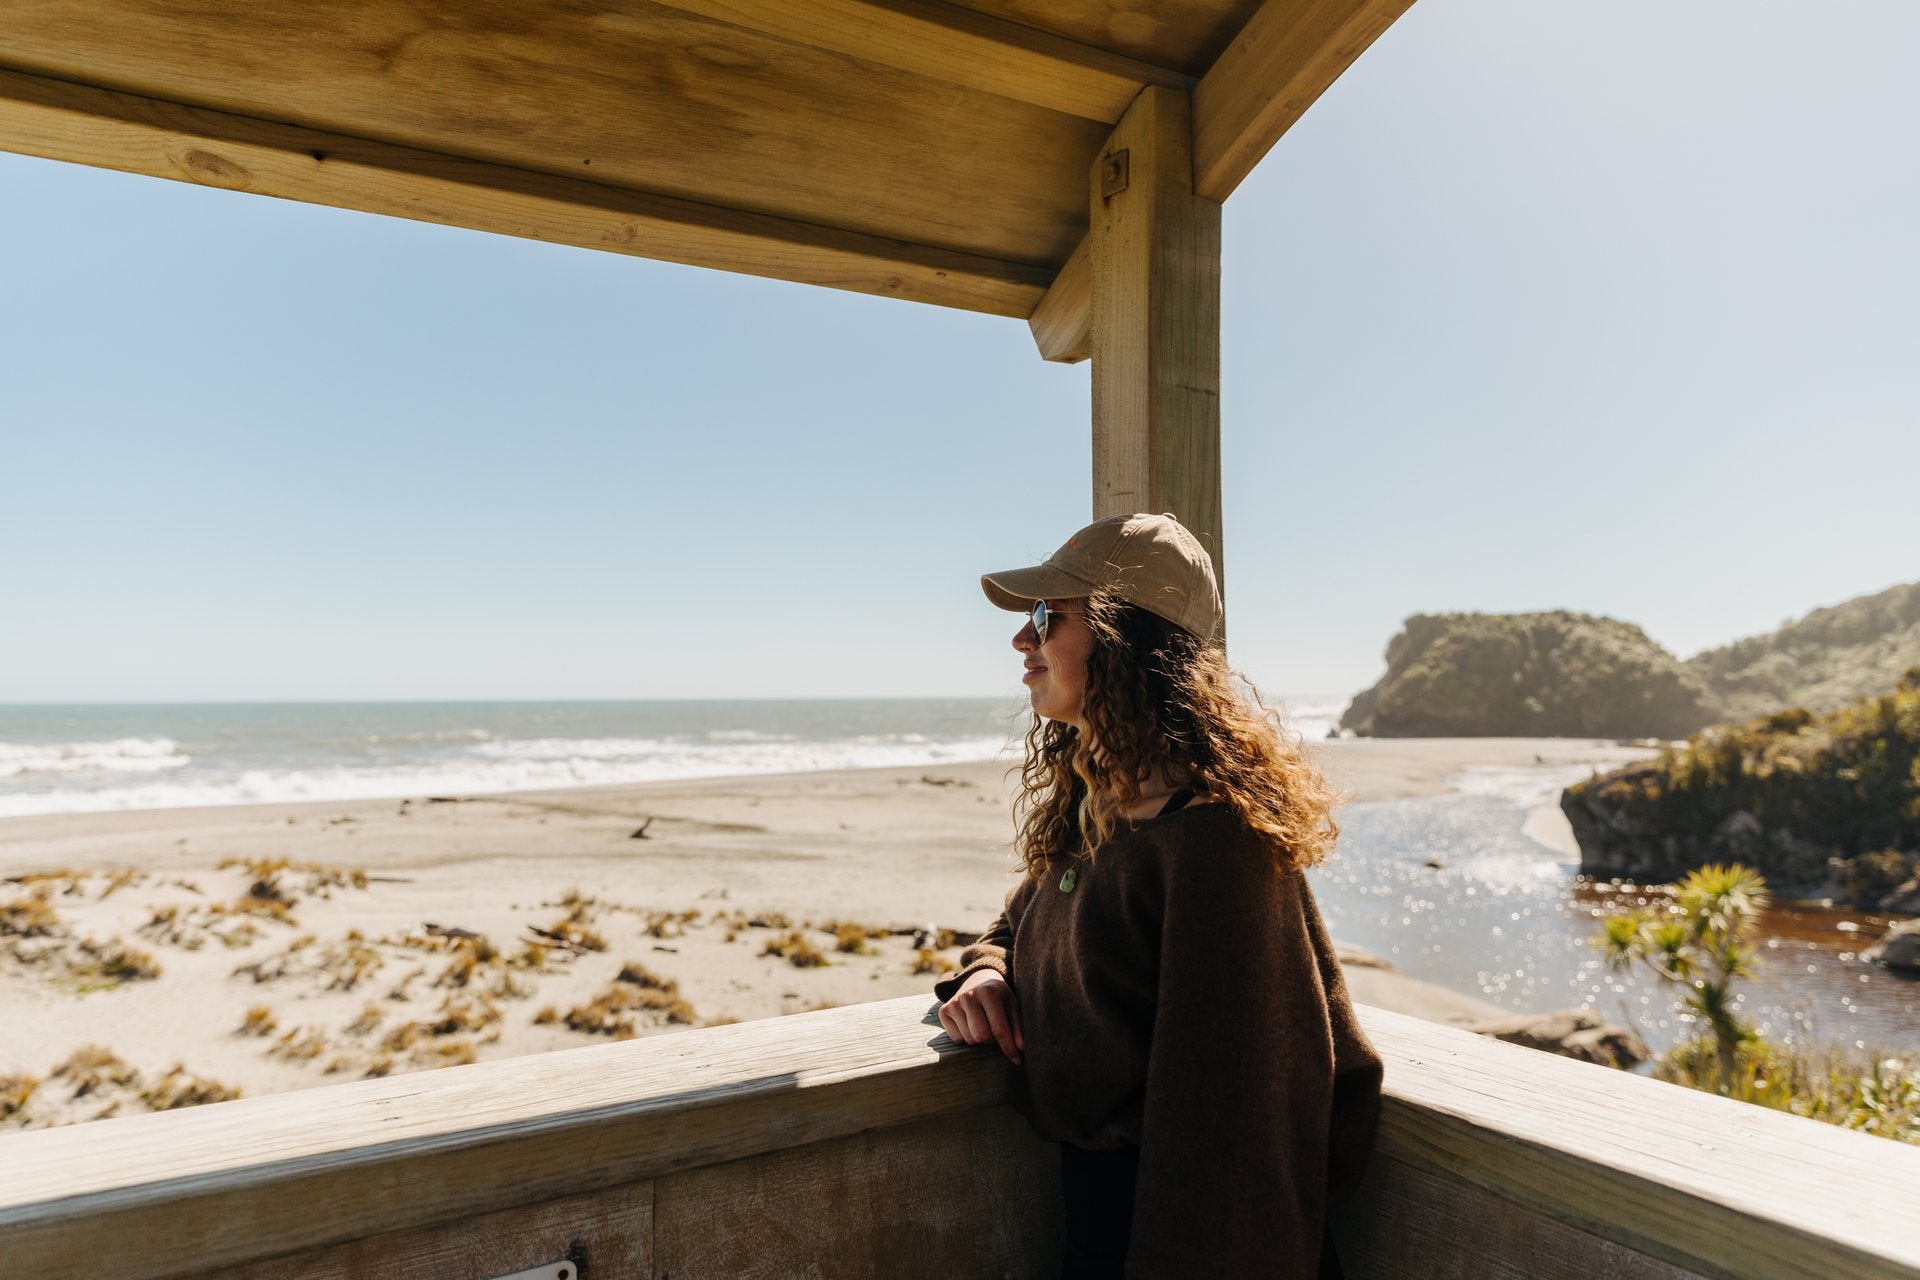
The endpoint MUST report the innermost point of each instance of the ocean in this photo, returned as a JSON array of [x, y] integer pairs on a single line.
[[85, 758]]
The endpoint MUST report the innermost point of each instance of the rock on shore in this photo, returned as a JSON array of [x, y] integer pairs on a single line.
[[1898, 948]]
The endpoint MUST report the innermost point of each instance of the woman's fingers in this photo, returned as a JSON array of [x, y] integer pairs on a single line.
[[985, 1012], [999, 1023]]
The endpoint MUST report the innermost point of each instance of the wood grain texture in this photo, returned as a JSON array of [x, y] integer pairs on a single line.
[[1409, 1222], [1285, 57], [1729, 1190], [1186, 35], [62, 121], [609, 1233], [178, 1193], [1288, 53], [1493, 1156], [632, 94], [1061, 322], [1155, 327], [955, 45], [967, 1195]]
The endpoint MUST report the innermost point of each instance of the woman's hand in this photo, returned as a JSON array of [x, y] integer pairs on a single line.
[[984, 1009]]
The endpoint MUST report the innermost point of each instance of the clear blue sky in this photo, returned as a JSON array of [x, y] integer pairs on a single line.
[[1603, 306]]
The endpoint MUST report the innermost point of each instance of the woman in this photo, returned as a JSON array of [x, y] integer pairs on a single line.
[[1161, 974]]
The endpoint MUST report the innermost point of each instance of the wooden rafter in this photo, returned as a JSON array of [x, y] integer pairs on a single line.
[[955, 45], [63, 121], [1282, 61]]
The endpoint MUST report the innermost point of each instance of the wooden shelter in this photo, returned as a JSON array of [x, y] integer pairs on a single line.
[[1058, 161]]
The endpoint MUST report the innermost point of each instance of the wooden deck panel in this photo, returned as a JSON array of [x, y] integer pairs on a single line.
[[967, 1195], [1410, 1222], [609, 1233]]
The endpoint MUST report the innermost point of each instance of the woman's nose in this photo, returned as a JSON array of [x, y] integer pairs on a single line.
[[1026, 638]]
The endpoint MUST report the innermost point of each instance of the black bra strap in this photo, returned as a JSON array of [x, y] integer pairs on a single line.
[[1176, 802]]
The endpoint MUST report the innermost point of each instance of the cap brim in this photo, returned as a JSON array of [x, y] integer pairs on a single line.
[[1015, 590]]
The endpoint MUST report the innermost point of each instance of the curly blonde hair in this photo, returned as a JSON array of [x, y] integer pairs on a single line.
[[1159, 697]]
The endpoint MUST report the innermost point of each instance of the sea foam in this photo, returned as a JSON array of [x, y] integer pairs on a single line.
[[121, 755]]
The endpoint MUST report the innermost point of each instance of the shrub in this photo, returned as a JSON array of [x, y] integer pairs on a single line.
[[1702, 945]]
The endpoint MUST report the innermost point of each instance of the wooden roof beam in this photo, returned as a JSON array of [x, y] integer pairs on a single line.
[[1286, 56], [60, 120], [955, 45]]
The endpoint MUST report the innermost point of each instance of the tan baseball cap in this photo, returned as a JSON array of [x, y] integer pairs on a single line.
[[1148, 560]]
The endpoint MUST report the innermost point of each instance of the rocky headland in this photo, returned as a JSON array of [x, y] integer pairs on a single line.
[[1818, 803], [1557, 674], [1563, 674]]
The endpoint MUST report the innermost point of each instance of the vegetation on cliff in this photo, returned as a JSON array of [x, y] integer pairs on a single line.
[[1576, 675], [1529, 674], [1822, 662], [1807, 799]]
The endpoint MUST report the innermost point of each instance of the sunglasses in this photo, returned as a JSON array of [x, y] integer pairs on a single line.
[[1042, 616]]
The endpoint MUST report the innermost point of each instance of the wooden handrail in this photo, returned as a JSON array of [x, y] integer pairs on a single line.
[[151, 1196], [1714, 1187], [1718, 1187]]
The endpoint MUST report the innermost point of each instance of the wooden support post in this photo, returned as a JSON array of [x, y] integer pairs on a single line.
[[1155, 331]]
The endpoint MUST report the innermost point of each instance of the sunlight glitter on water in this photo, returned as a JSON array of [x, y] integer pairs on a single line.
[[1450, 890]]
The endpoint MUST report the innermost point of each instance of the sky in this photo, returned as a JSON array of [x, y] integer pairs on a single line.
[[1610, 307]]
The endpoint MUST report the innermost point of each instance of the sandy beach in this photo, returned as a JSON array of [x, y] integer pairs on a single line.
[[156, 956]]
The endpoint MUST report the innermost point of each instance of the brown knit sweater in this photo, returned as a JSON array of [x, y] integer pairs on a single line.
[[1183, 996]]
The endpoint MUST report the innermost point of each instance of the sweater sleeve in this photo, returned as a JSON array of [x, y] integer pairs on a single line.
[[993, 950], [1240, 1086]]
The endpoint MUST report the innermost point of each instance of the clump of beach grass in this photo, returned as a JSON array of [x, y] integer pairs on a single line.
[[350, 962], [670, 924], [16, 1091], [637, 990], [31, 916], [299, 1044], [180, 1087], [320, 879], [171, 927], [70, 883], [459, 1014], [115, 961], [796, 950], [96, 1072], [469, 957], [371, 1015], [852, 938], [279, 964], [93, 1067], [258, 1020], [121, 879]]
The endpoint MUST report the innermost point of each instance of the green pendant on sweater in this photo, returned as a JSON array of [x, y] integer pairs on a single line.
[[1066, 881]]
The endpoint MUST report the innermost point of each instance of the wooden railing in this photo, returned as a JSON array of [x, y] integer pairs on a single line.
[[858, 1142]]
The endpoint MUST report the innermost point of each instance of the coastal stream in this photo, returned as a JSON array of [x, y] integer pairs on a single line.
[[1451, 889]]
